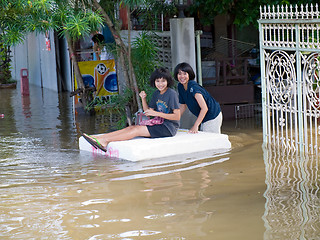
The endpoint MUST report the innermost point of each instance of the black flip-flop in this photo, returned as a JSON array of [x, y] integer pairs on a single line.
[[94, 142]]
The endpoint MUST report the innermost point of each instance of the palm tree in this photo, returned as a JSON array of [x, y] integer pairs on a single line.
[[71, 19]]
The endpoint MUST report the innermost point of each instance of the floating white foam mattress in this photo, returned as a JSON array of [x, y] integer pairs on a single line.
[[141, 148]]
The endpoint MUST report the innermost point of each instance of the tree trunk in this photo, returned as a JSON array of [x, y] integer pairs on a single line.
[[125, 74], [123, 49], [77, 73], [131, 71]]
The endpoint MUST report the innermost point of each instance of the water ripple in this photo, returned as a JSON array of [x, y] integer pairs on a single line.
[[124, 235], [96, 201], [158, 173]]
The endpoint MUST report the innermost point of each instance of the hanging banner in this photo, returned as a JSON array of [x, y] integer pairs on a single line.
[[101, 75]]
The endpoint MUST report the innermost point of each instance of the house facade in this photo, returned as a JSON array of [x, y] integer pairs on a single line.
[[224, 62]]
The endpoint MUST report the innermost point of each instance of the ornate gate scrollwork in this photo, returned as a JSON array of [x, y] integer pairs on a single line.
[[312, 79], [280, 72]]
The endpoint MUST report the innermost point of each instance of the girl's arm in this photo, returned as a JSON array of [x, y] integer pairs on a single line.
[[143, 96], [204, 109], [183, 108], [170, 116]]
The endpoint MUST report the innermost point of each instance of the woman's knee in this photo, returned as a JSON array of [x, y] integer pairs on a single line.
[[131, 127], [134, 129], [141, 131]]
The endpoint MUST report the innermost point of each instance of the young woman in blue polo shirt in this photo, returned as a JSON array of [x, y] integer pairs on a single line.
[[198, 100]]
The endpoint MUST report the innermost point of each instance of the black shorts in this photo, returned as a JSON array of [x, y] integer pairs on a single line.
[[158, 131]]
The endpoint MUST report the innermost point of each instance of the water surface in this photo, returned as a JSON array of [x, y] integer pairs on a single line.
[[51, 190]]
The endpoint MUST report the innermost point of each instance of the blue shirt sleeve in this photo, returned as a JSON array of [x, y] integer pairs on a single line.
[[180, 89]]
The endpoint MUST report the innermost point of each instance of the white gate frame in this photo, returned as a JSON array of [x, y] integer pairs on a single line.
[[290, 77]]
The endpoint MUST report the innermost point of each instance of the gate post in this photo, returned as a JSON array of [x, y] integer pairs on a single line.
[[263, 86], [299, 92]]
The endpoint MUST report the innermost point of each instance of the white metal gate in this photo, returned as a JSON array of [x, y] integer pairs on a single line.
[[290, 77]]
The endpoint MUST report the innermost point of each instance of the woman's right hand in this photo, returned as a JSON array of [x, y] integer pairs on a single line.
[[143, 94], [194, 129]]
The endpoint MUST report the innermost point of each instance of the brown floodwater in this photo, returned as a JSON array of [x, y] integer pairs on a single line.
[[51, 190]]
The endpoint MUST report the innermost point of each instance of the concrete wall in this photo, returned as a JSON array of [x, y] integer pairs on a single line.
[[183, 42], [19, 59], [33, 60], [48, 63], [41, 63]]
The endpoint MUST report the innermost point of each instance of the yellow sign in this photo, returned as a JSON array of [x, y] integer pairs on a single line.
[[100, 74]]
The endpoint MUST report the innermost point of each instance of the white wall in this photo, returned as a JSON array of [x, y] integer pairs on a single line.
[[48, 63], [19, 59], [33, 59], [41, 64]]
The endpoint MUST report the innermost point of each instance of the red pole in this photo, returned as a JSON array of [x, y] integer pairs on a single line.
[[24, 81]]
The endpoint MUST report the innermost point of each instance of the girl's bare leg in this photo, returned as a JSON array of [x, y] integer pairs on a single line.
[[123, 134]]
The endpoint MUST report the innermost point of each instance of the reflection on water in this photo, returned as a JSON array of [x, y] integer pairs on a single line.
[[49, 189], [292, 196], [144, 169]]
